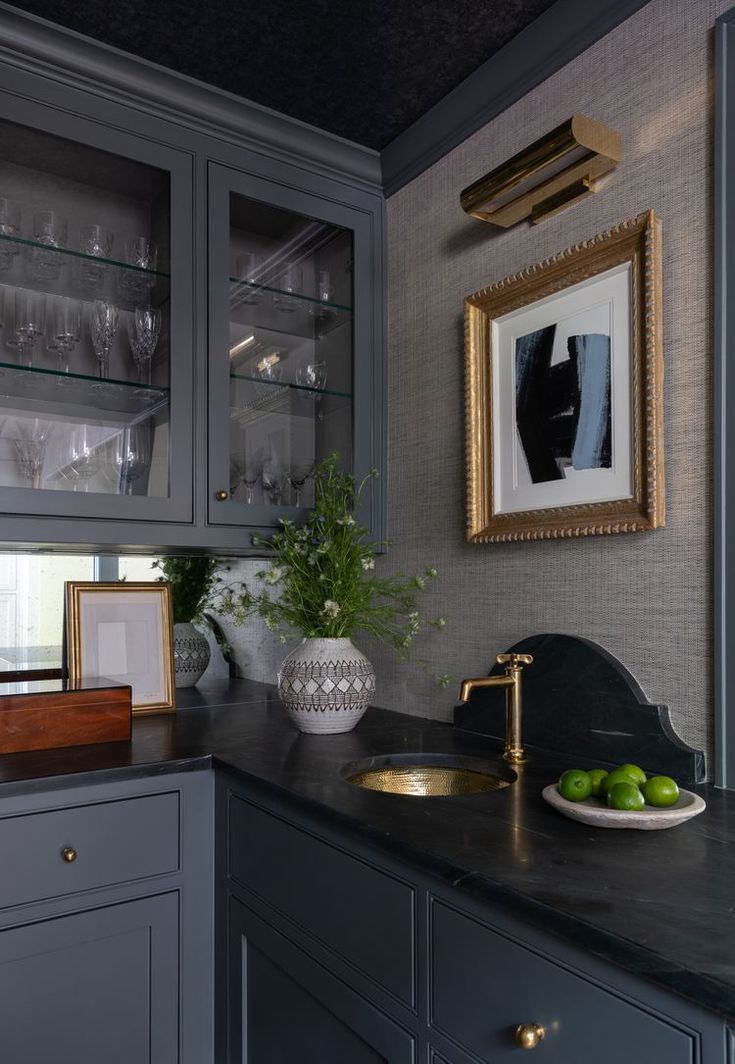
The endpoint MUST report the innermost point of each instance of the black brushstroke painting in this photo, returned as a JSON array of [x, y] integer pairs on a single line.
[[563, 410]]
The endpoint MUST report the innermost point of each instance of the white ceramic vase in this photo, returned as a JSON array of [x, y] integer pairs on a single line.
[[326, 685], [191, 654]]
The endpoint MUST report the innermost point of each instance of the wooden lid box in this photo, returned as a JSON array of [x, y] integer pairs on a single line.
[[44, 714]]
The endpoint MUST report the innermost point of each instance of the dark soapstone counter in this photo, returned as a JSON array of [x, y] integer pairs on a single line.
[[659, 904]]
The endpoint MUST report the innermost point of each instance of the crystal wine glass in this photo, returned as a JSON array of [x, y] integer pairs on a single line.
[[30, 440], [50, 231], [144, 328], [298, 474], [131, 454], [248, 471], [312, 376], [103, 321], [29, 323], [85, 458], [140, 253], [274, 481], [63, 329]]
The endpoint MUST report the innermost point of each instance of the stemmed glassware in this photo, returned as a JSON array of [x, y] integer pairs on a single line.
[[274, 481], [30, 440], [103, 321], [298, 474], [144, 328], [313, 376], [29, 323], [289, 284], [85, 459], [131, 454], [248, 472], [63, 329], [141, 253], [49, 230]]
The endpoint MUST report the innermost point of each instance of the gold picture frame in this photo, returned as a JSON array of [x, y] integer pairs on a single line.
[[122, 631], [614, 480]]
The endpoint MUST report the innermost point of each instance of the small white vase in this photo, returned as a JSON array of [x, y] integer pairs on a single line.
[[191, 654], [326, 685]]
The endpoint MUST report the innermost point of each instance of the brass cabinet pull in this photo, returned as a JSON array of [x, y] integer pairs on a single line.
[[221, 496], [68, 854], [528, 1035]]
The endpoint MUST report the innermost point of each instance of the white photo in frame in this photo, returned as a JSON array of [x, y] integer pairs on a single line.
[[123, 632]]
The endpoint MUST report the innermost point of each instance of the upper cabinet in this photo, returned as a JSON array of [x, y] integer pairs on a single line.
[[191, 300]]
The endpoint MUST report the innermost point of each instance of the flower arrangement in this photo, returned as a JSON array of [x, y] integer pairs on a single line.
[[195, 583], [322, 583]]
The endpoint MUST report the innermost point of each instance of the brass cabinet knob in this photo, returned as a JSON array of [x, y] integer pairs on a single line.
[[68, 854], [221, 496], [528, 1035]]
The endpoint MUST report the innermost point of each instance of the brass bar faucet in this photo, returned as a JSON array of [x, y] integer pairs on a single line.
[[514, 663]]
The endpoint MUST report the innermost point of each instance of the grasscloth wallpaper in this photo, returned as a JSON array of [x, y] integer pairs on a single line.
[[647, 597]]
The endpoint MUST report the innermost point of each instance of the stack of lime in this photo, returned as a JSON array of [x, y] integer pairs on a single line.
[[626, 787]]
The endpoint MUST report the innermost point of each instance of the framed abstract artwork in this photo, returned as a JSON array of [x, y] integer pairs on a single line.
[[564, 393], [123, 632]]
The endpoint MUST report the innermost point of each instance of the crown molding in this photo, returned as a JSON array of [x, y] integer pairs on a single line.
[[38, 46], [553, 39]]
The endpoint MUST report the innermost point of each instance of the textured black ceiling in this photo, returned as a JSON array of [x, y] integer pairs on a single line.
[[364, 69]]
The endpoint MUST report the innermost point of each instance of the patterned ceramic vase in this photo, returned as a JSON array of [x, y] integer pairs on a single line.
[[326, 685], [191, 654]]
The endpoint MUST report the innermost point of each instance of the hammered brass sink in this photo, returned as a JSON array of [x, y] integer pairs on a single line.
[[428, 775]]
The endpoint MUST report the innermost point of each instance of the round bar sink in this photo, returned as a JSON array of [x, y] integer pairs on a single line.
[[428, 775]]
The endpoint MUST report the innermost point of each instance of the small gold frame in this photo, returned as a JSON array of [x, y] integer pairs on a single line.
[[81, 596], [637, 242]]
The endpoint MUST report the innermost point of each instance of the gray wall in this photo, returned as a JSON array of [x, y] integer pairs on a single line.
[[646, 598]]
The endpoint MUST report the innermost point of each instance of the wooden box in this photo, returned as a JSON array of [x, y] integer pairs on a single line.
[[43, 714]]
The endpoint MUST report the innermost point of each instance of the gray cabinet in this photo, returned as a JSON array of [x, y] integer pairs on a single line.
[[93, 986], [106, 929], [286, 1007], [308, 909], [207, 233]]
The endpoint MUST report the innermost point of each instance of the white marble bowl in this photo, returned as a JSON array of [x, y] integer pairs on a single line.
[[594, 811]]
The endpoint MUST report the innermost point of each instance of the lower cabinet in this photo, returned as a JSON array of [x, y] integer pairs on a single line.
[[439, 979], [285, 1007], [93, 986]]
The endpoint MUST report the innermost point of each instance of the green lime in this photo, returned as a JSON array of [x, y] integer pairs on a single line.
[[636, 774], [660, 791], [597, 775], [616, 776], [575, 785], [625, 796]]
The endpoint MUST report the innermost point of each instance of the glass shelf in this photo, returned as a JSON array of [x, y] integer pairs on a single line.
[[77, 393], [287, 312], [261, 397], [126, 286]]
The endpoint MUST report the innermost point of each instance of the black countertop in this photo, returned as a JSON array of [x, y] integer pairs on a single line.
[[660, 904]]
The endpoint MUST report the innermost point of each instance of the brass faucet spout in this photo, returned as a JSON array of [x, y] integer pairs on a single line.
[[511, 681]]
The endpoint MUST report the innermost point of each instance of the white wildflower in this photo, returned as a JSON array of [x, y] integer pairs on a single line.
[[331, 608], [348, 520], [368, 563], [273, 575]]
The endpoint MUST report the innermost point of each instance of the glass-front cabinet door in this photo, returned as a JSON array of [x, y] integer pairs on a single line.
[[286, 368], [95, 350]]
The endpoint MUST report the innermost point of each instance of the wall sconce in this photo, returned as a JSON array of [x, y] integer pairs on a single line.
[[547, 176]]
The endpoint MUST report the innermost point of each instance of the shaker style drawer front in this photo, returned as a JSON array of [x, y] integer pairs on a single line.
[[483, 987], [83, 847], [363, 915]]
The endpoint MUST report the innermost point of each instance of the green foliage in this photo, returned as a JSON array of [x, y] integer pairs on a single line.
[[195, 583], [323, 583]]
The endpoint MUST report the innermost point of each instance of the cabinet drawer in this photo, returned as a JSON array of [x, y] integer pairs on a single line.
[[483, 986], [114, 842], [363, 915]]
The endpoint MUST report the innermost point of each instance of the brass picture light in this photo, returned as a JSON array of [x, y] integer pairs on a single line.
[[547, 176]]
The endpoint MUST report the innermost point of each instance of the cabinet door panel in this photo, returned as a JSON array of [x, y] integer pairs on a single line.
[[284, 1007], [92, 987]]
